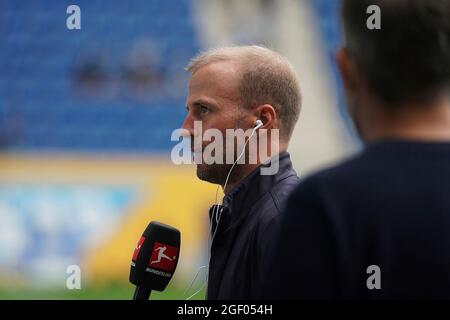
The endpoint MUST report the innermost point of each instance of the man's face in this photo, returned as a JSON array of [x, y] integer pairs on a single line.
[[213, 99]]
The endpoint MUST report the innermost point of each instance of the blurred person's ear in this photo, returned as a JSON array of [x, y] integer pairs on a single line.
[[354, 83], [348, 71]]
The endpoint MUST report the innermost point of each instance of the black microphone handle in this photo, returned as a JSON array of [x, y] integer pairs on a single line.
[[141, 293]]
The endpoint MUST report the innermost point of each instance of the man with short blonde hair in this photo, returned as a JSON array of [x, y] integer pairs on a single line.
[[248, 88]]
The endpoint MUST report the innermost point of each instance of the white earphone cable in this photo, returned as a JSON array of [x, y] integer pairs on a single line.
[[217, 215]]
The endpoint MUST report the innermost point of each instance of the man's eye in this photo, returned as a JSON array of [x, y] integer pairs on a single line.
[[204, 110]]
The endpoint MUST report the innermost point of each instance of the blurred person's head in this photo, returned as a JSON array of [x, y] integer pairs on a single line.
[[397, 78], [231, 88]]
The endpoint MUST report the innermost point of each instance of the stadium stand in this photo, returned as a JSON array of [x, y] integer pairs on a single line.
[[94, 88]]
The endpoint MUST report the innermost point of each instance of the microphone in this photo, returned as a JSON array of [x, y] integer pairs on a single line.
[[154, 259]]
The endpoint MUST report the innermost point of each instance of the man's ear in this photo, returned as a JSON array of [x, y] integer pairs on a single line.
[[267, 114], [348, 70]]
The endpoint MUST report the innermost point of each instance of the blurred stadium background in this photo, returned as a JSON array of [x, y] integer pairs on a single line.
[[85, 123]]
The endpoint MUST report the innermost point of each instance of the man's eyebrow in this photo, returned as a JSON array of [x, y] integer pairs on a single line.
[[201, 102]]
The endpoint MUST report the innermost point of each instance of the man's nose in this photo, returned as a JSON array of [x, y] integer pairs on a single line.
[[188, 126]]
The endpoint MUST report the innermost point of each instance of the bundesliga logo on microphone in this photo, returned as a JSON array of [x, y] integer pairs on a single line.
[[163, 257]]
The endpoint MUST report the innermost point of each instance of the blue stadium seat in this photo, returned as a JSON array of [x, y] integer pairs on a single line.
[[40, 73]]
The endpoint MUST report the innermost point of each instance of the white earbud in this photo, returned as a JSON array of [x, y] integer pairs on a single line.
[[258, 124]]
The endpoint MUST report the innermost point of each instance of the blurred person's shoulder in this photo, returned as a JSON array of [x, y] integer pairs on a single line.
[[345, 172], [379, 162], [387, 173], [346, 184]]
